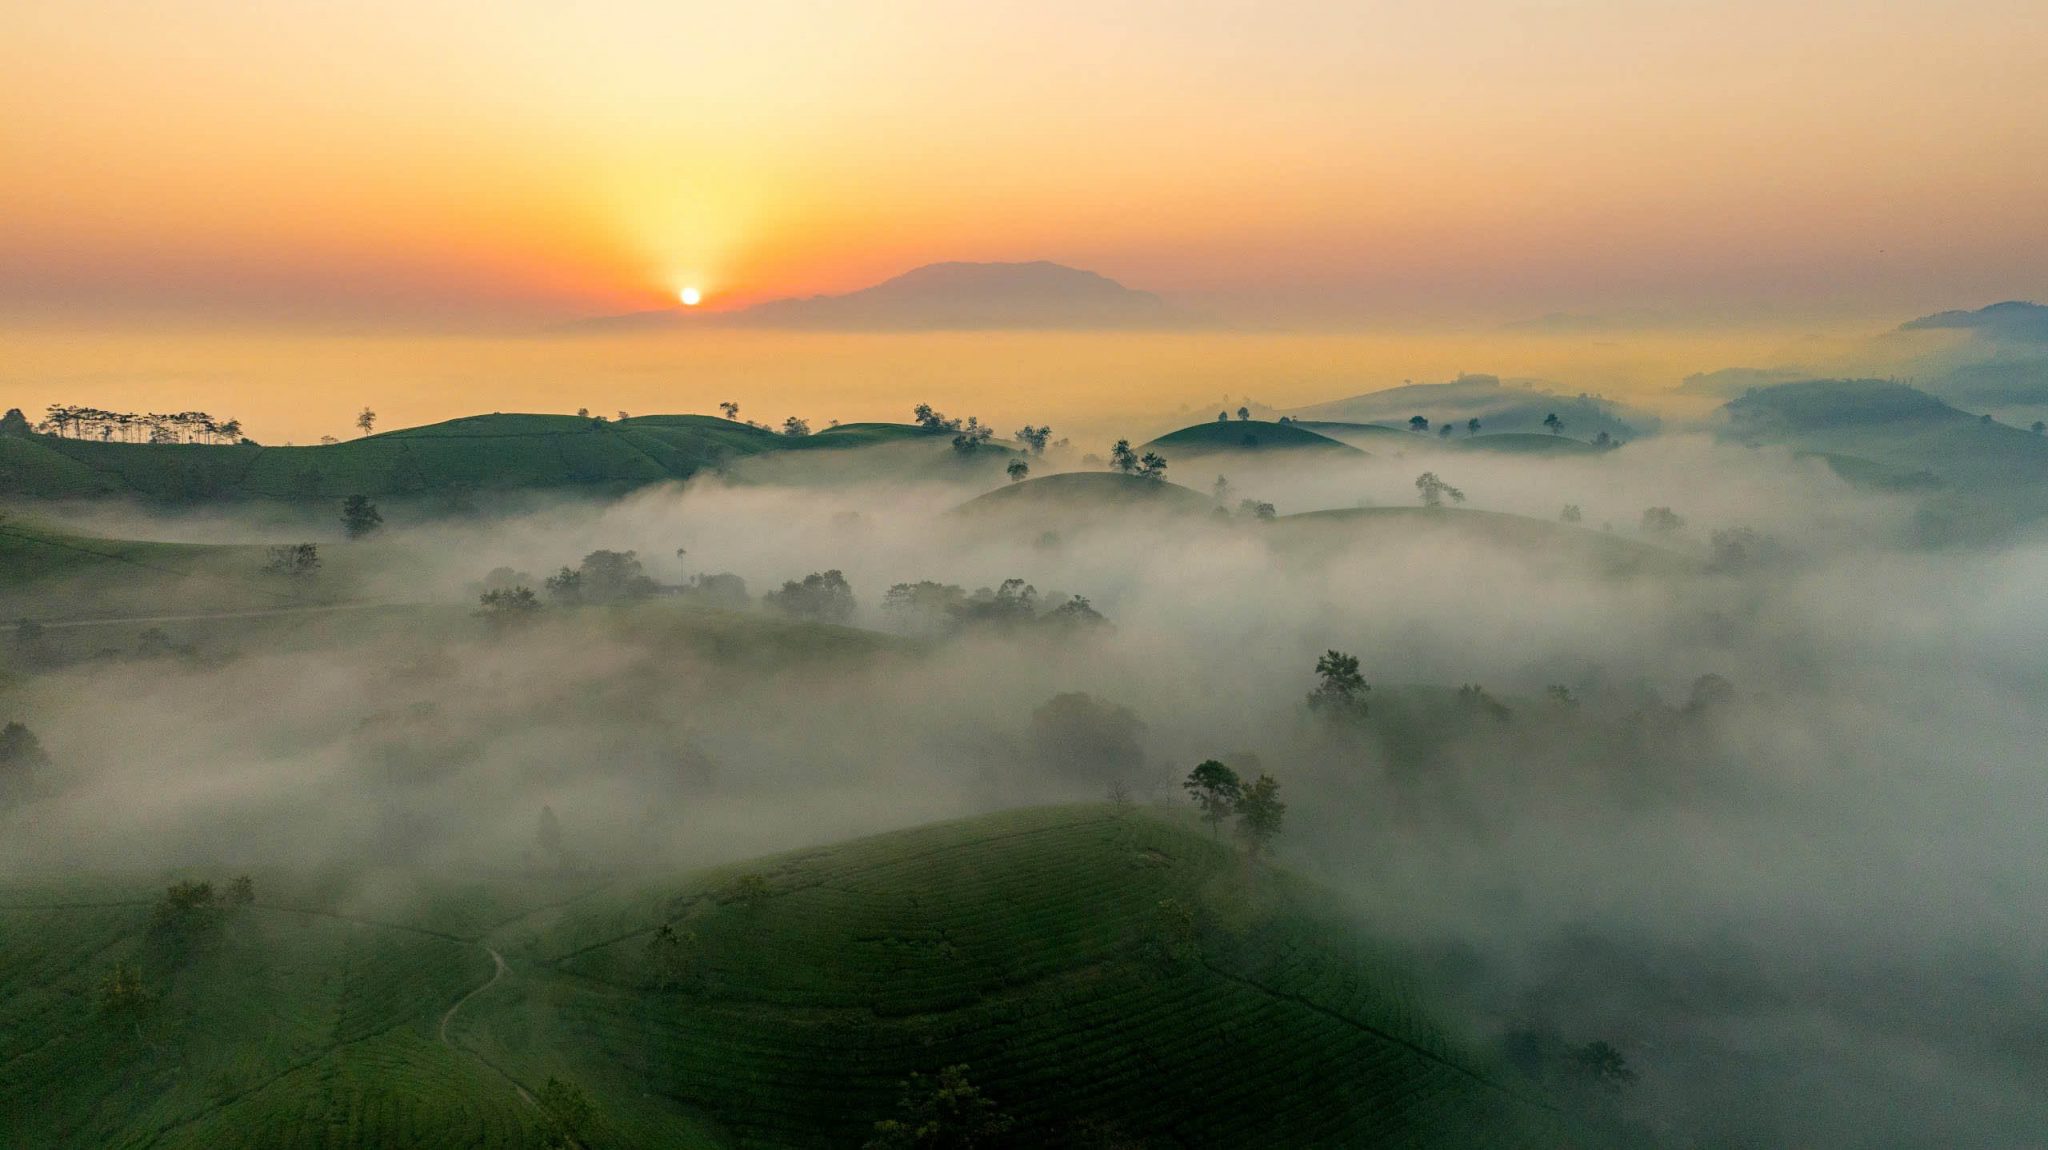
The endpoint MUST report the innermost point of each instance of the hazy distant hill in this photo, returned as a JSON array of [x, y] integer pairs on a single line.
[[2014, 321], [1497, 406], [946, 296], [1986, 477], [1238, 436]]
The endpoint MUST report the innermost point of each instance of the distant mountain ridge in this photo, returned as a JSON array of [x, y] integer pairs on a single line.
[[951, 296], [2015, 321]]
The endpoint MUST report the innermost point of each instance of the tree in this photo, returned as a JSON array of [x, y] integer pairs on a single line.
[[1417, 423], [1216, 789], [21, 756], [1018, 471], [1080, 736], [1244, 413], [242, 892], [1257, 509], [1433, 490], [730, 409], [931, 419], [795, 428], [1571, 513], [948, 1113], [565, 586], [566, 1113], [1555, 424], [1034, 437], [970, 436], [295, 561], [1221, 490], [1472, 426], [1223, 417], [1259, 814], [1601, 1064], [503, 606], [359, 516], [1444, 432], [1153, 466], [122, 997], [1339, 684], [1075, 614], [366, 419], [822, 595], [1122, 457], [1661, 520]]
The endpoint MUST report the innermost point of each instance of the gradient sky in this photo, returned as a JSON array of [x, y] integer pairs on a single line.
[[423, 164]]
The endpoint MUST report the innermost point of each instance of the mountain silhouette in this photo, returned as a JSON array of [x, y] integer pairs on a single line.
[[953, 296]]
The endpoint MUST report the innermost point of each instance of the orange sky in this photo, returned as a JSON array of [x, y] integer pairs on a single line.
[[501, 163]]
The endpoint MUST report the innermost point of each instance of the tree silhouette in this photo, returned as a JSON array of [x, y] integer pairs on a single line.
[[359, 516], [1339, 685], [1434, 490], [366, 419], [1555, 424], [1259, 814], [1216, 789], [731, 409]]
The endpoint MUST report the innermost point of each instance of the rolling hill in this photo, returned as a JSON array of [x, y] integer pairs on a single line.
[[951, 296], [1094, 973], [1499, 406], [482, 453], [1245, 436], [1984, 478], [1088, 493]]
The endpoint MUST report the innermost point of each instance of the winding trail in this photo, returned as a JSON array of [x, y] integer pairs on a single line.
[[449, 1017]]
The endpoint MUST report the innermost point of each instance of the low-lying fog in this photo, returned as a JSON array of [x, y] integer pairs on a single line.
[[1802, 897]]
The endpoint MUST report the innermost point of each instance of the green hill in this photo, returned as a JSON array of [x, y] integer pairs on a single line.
[[1127, 973], [1244, 436], [1981, 479], [476, 453], [1088, 492], [47, 573], [1560, 542]]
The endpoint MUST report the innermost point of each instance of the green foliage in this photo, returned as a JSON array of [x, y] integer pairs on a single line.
[[359, 516], [1018, 471], [946, 1113], [501, 606], [567, 1113], [1215, 789], [1122, 458], [1152, 466], [822, 596], [1260, 814], [1340, 687]]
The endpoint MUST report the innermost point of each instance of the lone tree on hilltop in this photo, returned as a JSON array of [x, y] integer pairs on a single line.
[[1259, 814], [1216, 789], [359, 516], [1123, 458], [1340, 685], [1018, 471], [730, 409], [1434, 490], [1555, 424], [1418, 423], [1244, 413], [366, 419]]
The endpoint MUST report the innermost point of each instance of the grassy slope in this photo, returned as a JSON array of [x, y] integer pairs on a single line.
[[483, 452], [1220, 437], [1088, 490], [1606, 552], [1025, 944]]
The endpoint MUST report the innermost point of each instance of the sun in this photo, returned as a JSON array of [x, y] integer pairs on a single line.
[[691, 297]]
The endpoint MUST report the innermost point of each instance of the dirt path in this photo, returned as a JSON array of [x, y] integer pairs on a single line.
[[449, 1017]]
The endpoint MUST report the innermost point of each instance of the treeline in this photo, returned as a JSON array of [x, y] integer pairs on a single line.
[[75, 422]]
